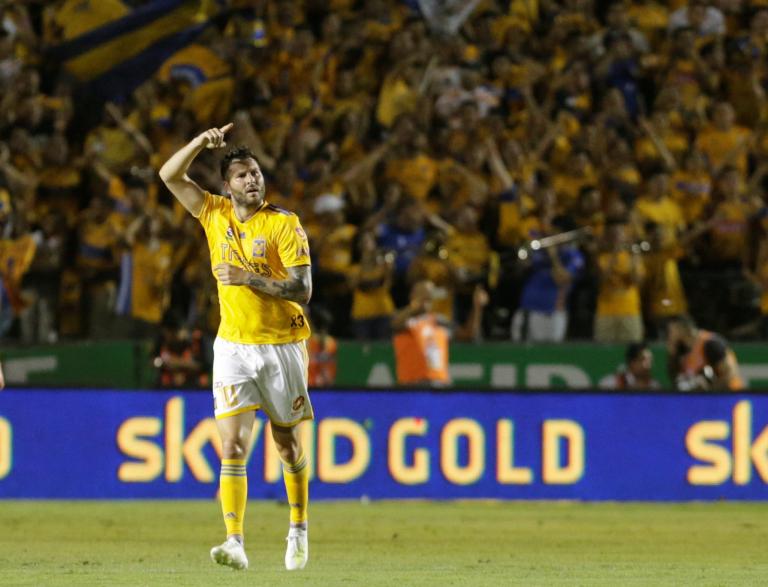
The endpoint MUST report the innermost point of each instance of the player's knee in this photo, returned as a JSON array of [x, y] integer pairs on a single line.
[[289, 452], [232, 448], [287, 445]]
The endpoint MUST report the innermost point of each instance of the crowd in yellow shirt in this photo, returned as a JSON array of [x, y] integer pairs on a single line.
[[407, 154]]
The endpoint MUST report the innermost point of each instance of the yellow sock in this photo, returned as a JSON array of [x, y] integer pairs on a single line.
[[233, 484], [296, 477]]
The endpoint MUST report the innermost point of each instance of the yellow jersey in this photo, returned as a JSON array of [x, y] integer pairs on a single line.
[[618, 295], [268, 243]]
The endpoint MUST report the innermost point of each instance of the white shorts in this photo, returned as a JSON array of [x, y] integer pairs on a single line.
[[272, 377]]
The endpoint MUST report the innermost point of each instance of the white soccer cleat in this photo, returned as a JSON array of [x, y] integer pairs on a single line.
[[230, 554], [297, 552]]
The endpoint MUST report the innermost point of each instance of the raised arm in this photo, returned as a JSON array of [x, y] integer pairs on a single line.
[[174, 171], [297, 288]]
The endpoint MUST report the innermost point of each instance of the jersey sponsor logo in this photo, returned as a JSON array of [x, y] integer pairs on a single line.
[[259, 248]]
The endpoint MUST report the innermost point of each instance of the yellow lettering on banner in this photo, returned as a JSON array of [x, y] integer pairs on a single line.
[[273, 471], [6, 447], [553, 432], [746, 451], [192, 449], [449, 451], [150, 455], [699, 441], [506, 472], [174, 438], [742, 440], [759, 454], [418, 472], [328, 470]]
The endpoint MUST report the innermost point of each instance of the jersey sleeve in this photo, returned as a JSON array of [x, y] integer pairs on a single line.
[[293, 246], [206, 212]]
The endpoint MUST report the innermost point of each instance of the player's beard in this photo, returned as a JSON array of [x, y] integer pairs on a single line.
[[249, 200]]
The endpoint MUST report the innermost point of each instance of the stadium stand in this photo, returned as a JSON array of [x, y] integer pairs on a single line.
[[412, 143]]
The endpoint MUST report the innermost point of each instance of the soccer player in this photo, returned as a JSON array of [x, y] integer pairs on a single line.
[[260, 257]]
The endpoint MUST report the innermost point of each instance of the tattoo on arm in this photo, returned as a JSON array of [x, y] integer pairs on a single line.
[[297, 288]]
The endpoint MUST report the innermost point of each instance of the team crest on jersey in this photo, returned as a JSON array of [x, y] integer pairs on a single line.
[[301, 233], [259, 248], [230, 233]]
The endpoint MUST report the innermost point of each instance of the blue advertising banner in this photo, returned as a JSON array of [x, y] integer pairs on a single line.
[[596, 446]]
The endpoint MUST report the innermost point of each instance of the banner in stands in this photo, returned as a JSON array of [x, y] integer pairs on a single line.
[[377, 444], [530, 366], [128, 365]]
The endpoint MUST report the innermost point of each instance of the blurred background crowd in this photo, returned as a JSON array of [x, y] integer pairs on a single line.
[[416, 140]]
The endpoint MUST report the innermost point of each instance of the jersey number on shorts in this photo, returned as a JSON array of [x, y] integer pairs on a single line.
[[297, 321], [228, 395]]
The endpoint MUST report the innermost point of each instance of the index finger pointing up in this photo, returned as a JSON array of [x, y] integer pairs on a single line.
[[227, 127]]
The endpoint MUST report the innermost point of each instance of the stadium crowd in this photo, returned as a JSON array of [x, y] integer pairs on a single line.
[[414, 145]]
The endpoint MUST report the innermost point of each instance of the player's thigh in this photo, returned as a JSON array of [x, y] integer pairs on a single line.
[[283, 384], [232, 362], [234, 388]]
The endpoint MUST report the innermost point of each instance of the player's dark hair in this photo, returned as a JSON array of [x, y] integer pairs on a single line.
[[634, 350], [236, 154]]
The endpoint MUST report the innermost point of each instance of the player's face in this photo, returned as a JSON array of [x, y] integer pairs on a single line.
[[245, 183]]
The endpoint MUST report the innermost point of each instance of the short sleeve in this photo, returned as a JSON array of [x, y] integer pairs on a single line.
[[206, 212], [293, 246]]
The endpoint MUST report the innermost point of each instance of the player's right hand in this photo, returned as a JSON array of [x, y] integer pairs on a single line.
[[213, 138]]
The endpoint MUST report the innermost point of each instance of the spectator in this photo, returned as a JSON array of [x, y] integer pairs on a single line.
[[147, 266], [421, 341], [706, 20], [180, 358], [322, 349], [635, 373], [543, 312], [620, 272], [371, 280]]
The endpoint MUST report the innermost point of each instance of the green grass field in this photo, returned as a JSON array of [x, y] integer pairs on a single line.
[[388, 543]]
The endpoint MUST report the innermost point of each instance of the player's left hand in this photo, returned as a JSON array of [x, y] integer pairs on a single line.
[[230, 275]]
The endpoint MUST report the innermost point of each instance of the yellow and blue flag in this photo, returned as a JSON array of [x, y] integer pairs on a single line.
[[115, 58]]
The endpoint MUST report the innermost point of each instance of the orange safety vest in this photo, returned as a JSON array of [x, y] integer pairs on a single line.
[[695, 361], [421, 351], [322, 360]]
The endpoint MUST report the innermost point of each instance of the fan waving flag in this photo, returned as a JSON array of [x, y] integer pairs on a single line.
[[115, 58]]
